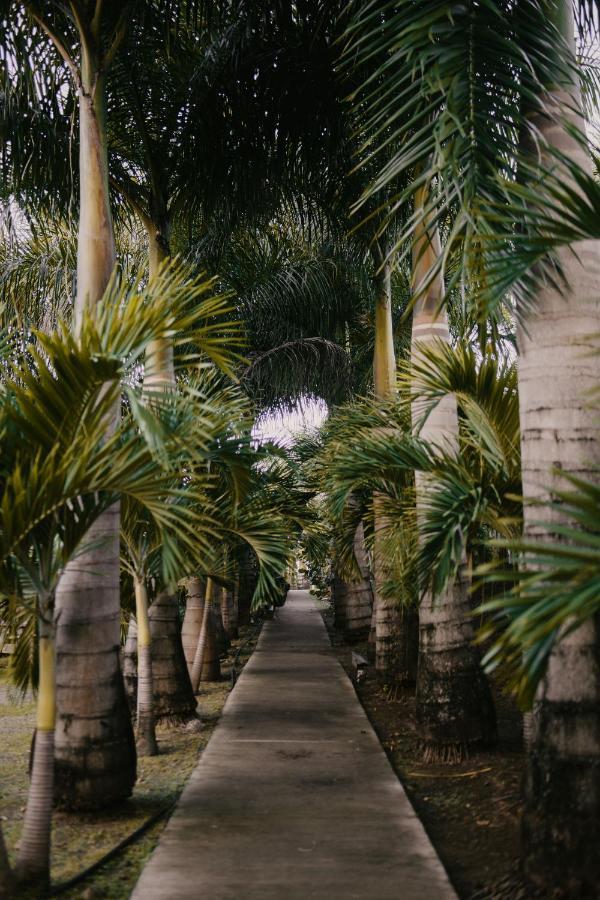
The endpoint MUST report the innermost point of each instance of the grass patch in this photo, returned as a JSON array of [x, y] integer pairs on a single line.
[[79, 839]]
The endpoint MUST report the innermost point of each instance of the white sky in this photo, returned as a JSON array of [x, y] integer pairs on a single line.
[[284, 427]]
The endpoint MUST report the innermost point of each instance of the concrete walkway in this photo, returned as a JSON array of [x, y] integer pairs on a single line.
[[294, 796]]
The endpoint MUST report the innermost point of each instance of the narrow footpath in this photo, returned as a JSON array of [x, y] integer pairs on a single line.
[[293, 796]]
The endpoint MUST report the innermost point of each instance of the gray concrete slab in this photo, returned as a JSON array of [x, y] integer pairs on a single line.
[[294, 797]]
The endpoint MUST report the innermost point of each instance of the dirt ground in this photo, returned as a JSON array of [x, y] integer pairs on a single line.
[[79, 839], [471, 810]]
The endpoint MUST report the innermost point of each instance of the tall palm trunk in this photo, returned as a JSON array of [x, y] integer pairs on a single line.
[[206, 659], [454, 703], [192, 620], [559, 365], [33, 864], [174, 701], [390, 635], [146, 733], [159, 371], [95, 750]]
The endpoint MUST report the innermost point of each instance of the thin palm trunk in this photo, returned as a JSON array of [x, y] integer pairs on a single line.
[[33, 864], [559, 366], [95, 749], [390, 637], [145, 733], [206, 660], [231, 627], [159, 371], [130, 664], [220, 637], [454, 704], [225, 612], [192, 620]]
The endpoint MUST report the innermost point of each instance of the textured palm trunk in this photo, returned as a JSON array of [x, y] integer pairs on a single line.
[[221, 641], [231, 628], [390, 637], [454, 704], [145, 731], [192, 621], [33, 863], [174, 701], [130, 665], [226, 598], [339, 590], [559, 366], [247, 580], [359, 604], [159, 371], [353, 600], [95, 749], [206, 665]]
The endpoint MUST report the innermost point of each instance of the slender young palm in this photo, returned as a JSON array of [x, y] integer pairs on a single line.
[[62, 472], [460, 495]]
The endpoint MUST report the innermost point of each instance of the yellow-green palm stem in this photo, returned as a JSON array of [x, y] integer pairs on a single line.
[[196, 673], [384, 359], [146, 733], [33, 863]]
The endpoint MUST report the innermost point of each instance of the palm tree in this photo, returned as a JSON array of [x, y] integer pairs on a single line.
[[86, 43], [454, 704], [463, 489], [507, 160], [62, 473]]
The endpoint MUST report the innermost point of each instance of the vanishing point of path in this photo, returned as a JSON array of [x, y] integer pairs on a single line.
[[293, 796]]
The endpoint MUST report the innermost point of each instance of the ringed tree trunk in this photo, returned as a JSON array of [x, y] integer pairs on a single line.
[[130, 665], [192, 620], [231, 628], [145, 728], [559, 365], [206, 665], [391, 634], [33, 862], [159, 370], [95, 749], [455, 709], [359, 604], [174, 701], [246, 584]]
